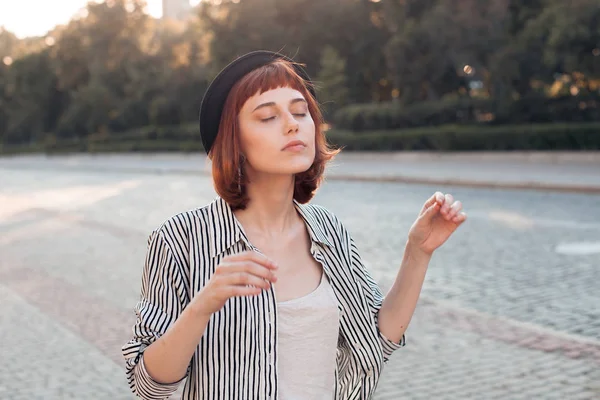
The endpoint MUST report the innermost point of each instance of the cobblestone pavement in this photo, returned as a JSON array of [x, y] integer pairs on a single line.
[[504, 313]]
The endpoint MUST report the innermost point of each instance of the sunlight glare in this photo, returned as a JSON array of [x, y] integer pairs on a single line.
[[37, 17]]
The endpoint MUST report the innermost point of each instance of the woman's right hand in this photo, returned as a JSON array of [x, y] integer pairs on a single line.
[[242, 274]]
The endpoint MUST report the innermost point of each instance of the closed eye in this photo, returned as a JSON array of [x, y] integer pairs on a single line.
[[301, 115]]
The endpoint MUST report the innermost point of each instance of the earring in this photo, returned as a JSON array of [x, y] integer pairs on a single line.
[[242, 160]]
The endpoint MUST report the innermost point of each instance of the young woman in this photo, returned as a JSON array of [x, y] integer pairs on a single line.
[[259, 294]]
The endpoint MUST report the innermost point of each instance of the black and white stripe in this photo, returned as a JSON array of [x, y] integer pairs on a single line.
[[237, 358]]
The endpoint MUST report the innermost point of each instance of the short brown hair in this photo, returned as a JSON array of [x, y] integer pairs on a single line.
[[225, 153]]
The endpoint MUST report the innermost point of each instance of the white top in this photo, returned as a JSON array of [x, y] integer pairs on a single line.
[[308, 329]]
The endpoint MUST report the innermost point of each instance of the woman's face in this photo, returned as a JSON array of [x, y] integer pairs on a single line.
[[277, 133]]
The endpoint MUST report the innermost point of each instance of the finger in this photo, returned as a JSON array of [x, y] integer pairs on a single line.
[[258, 270], [245, 279], [238, 291], [252, 256], [459, 218], [250, 267], [432, 210], [437, 196], [454, 209], [448, 200]]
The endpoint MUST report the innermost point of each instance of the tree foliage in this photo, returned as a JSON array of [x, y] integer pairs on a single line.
[[113, 68]]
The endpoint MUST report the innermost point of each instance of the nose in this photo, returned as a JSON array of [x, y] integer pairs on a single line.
[[292, 124]]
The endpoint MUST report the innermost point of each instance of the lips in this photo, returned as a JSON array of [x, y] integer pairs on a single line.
[[294, 144]]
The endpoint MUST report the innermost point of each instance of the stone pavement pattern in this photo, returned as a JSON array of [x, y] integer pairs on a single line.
[[502, 315]]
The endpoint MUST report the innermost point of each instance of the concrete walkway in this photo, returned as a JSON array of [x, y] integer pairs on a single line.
[[556, 171]]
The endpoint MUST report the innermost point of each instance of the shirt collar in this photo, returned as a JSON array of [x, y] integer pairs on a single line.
[[228, 231], [315, 226]]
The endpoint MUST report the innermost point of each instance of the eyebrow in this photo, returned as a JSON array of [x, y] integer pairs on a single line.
[[271, 103]]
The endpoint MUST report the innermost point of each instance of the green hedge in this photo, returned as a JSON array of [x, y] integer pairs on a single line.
[[183, 132], [473, 138], [185, 138], [181, 138], [533, 108], [387, 116], [145, 146], [584, 136]]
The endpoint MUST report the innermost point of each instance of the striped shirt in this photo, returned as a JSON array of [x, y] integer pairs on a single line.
[[236, 357]]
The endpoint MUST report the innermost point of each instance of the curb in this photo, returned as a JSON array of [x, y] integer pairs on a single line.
[[534, 186], [526, 157]]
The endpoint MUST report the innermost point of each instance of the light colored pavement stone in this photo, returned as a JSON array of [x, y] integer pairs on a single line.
[[473, 367], [43, 359], [502, 315]]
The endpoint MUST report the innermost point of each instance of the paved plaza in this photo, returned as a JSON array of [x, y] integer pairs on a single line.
[[510, 308]]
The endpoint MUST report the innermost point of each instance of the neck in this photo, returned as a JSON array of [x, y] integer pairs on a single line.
[[270, 211]]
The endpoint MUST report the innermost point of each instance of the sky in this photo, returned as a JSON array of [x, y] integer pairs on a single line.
[[36, 17]]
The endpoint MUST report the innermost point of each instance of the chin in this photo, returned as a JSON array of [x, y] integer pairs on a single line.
[[295, 166], [298, 168]]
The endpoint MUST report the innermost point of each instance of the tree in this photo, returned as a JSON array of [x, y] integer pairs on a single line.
[[31, 101], [331, 81], [573, 39], [301, 29], [419, 57]]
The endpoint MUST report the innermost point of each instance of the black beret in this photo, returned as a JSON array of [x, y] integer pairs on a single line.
[[216, 94]]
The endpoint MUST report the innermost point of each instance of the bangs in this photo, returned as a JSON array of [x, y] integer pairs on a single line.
[[272, 76], [226, 154]]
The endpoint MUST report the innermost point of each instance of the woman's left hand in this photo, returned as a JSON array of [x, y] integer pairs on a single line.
[[440, 216]]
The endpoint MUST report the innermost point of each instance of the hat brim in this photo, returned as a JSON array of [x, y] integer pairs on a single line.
[[215, 96]]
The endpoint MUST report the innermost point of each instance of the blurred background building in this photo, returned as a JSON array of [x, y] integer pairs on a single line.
[[176, 9]]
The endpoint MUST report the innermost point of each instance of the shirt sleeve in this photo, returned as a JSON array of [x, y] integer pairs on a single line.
[[161, 301], [374, 298]]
